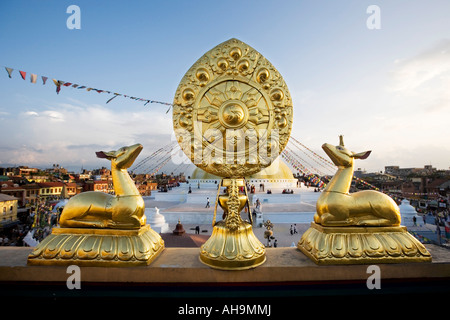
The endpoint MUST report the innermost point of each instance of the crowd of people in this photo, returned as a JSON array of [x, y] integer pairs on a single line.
[[33, 226]]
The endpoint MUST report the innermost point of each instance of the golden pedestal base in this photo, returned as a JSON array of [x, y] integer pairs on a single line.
[[98, 247], [361, 245], [233, 249]]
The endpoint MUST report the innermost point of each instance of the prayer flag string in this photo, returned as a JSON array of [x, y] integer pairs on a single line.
[[60, 84]]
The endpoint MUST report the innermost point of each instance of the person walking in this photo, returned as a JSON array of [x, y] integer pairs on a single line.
[[207, 202], [438, 231]]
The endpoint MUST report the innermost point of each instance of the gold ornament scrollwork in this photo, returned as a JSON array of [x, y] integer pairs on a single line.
[[231, 87]]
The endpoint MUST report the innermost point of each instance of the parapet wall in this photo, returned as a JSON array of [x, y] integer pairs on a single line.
[[182, 265]]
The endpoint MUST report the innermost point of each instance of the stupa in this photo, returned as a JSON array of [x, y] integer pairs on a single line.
[[277, 175], [157, 220]]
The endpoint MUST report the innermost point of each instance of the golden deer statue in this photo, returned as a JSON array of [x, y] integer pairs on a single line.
[[336, 207], [124, 210], [103, 230], [357, 228]]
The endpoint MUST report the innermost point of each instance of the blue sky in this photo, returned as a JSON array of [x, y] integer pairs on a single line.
[[385, 90]]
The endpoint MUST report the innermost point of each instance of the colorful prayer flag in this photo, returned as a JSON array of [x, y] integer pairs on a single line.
[[9, 70], [58, 85]]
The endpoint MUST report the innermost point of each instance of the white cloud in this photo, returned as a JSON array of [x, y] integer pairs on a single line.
[[31, 114], [424, 80], [403, 116], [70, 133]]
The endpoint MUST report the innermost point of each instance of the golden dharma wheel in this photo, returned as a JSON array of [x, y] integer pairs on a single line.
[[232, 112]]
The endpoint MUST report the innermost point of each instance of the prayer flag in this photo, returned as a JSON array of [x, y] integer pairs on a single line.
[[23, 74], [44, 79], [33, 78], [58, 85], [112, 98], [9, 70]]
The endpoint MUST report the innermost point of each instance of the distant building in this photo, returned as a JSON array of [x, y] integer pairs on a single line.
[[8, 209], [50, 189], [14, 190], [145, 188], [403, 172], [97, 185], [72, 189], [31, 193]]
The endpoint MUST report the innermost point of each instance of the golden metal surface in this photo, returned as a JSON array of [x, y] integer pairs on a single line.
[[337, 207], [124, 210], [232, 117], [99, 229], [98, 247], [232, 245], [232, 112], [361, 245], [362, 227], [236, 249]]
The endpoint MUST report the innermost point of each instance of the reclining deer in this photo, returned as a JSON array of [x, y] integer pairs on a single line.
[[336, 207], [124, 210]]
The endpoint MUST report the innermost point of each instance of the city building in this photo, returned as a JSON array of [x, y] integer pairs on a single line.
[[403, 172], [31, 193], [50, 189], [97, 185], [8, 210], [14, 190]]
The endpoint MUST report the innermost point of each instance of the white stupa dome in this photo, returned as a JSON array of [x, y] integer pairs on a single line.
[[406, 208]]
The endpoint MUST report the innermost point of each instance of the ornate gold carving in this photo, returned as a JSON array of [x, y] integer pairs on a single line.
[[232, 117], [237, 249], [232, 203], [98, 247], [232, 87], [232, 245], [359, 245]]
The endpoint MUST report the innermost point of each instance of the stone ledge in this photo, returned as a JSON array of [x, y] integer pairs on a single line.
[[182, 265]]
